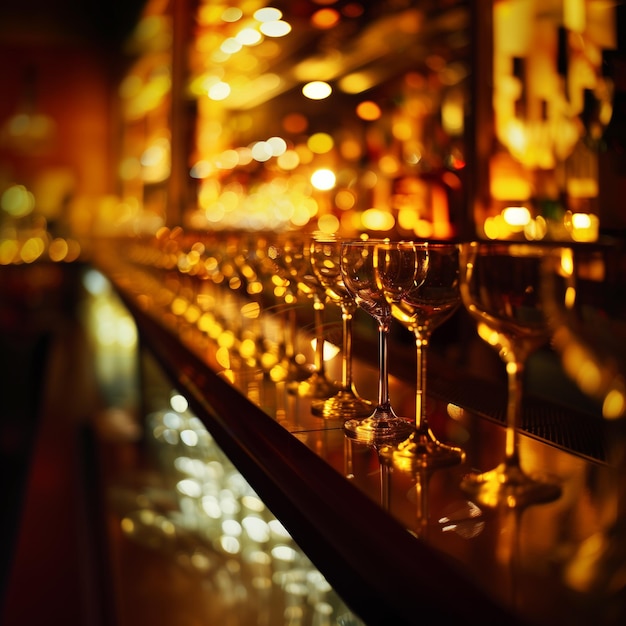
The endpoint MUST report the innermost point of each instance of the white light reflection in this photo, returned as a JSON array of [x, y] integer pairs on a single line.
[[330, 350], [230, 545], [464, 519], [256, 528], [189, 487], [189, 438], [278, 529], [231, 528], [179, 403], [95, 282]]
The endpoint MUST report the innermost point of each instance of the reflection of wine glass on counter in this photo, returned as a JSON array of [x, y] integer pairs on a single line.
[[500, 288], [358, 271], [325, 261], [421, 282]]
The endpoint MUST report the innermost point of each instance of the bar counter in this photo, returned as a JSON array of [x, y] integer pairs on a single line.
[[400, 545]]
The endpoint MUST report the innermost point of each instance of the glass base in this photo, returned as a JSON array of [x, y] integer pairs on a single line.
[[345, 404], [422, 451], [382, 426], [315, 386], [508, 485]]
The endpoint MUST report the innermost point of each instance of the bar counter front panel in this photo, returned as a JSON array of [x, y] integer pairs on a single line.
[[397, 546]]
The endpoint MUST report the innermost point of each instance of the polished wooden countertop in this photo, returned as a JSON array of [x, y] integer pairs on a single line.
[[396, 544]]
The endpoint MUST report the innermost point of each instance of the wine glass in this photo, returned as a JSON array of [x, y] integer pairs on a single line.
[[325, 261], [583, 290], [317, 385], [358, 271], [285, 254], [583, 287], [421, 282], [500, 288]]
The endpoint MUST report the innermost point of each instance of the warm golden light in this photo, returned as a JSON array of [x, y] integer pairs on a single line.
[[295, 123], [17, 201], [219, 91], [289, 160], [317, 90], [377, 219], [325, 18], [267, 14], [345, 199], [516, 216], [356, 82], [278, 28], [249, 37], [261, 151], [368, 110], [231, 46], [58, 249], [320, 143], [328, 224], [583, 227], [323, 179], [277, 145], [232, 14], [32, 249], [614, 405]]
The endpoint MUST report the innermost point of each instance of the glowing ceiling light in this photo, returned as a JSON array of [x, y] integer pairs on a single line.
[[317, 90], [279, 28], [219, 91], [232, 14], [277, 145], [267, 14], [230, 46], [323, 179], [249, 37], [261, 151]]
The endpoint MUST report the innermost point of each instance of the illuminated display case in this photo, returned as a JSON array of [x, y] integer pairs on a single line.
[[407, 119], [146, 110], [383, 150], [346, 117]]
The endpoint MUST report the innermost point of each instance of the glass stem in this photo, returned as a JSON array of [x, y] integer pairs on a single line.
[[421, 422], [383, 376], [318, 314], [290, 333], [515, 375], [346, 363]]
